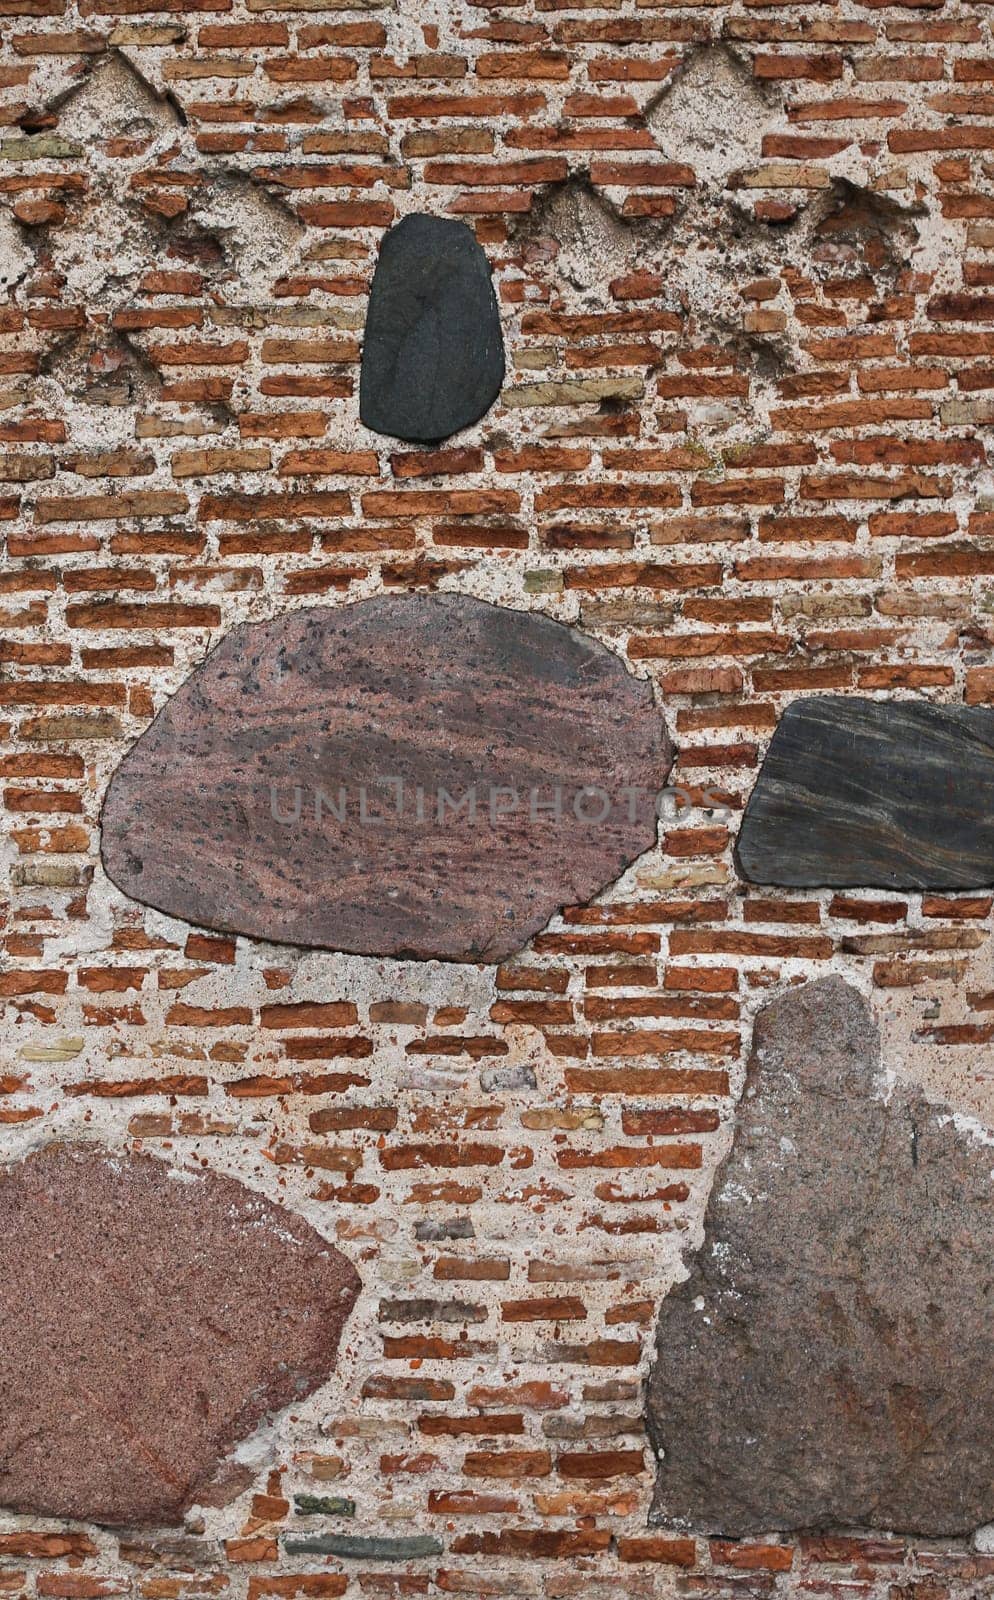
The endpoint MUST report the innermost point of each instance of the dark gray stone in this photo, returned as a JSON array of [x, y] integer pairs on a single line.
[[377, 778], [352, 1547], [150, 1318], [828, 1361], [433, 355], [881, 794], [427, 1310]]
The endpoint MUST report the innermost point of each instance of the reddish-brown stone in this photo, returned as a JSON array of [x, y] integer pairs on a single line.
[[150, 1318], [264, 798]]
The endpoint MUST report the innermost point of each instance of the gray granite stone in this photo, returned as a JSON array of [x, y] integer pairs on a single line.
[[433, 354], [382, 778], [827, 1364], [879, 794]]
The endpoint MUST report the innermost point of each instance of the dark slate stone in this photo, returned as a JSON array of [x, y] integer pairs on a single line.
[[149, 1320], [352, 1547], [827, 1364], [433, 355], [265, 798], [881, 794]]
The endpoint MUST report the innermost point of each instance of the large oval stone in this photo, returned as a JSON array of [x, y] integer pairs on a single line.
[[410, 776], [150, 1318], [874, 793], [827, 1364], [433, 355]]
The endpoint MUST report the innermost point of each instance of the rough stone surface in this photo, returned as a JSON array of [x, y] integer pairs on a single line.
[[874, 793], [827, 1362], [150, 1319], [710, 111], [433, 353], [326, 711]]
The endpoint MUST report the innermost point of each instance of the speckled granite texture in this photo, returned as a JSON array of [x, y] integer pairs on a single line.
[[150, 1318], [827, 1362]]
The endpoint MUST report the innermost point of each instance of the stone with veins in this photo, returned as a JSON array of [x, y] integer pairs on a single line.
[[264, 798]]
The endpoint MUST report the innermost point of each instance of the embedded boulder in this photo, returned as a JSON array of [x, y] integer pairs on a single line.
[[433, 353], [827, 1363], [876, 794], [420, 777], [150, 1319]]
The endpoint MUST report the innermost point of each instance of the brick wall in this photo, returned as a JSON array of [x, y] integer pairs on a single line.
[[741, 253]]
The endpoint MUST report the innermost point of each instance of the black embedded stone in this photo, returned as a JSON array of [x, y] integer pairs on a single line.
[[433, 356], [873, 794], [827, 1363]]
